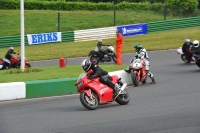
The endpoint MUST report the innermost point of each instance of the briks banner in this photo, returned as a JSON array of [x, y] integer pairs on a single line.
[[44, 38], [132, 30]]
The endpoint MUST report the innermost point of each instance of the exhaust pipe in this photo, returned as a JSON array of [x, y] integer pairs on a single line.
[[123, 87], [121, 90]]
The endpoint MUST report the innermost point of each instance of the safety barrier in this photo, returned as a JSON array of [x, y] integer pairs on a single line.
[[11, 41], [173, 24], [15, 90], [45, 88], [94, 34], [68, 36], [7, 41], [108, 32]]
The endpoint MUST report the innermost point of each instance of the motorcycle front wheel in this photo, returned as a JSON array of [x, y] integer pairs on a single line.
[[198, 63], [28, 65], [184, 58], [87, 102], [123, 99], [114, 57], [135, 79]]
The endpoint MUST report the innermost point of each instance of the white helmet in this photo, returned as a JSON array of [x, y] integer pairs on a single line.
[[196, 43], [11, 49]]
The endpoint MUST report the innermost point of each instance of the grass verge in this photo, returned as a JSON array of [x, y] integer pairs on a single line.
[[50, 72], [42, 21], [153, 41]]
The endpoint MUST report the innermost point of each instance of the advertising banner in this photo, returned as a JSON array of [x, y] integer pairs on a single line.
[[132, 30], [44, 38]]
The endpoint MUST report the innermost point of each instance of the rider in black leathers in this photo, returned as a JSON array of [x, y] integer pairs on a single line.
[[9, 55], [98, 72], [186, 49], [101, 52]]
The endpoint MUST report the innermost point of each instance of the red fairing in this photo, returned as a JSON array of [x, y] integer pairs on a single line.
[[14, 60], [104, 93], [141, 72]]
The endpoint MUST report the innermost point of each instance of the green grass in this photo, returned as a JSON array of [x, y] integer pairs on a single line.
[[51, 72], [154, 41], [42, 21]]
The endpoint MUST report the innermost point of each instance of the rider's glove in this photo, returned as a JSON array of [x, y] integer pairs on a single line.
[[131, 61]]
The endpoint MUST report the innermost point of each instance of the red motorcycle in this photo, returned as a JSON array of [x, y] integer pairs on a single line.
[[138, 72], [15, 63], [94, 93]]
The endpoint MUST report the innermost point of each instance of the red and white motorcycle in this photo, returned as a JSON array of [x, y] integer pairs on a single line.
[[138, 72], [183, 56]]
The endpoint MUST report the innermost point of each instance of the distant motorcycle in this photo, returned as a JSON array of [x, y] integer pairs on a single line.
[[183, 57], [138, 72], [197, 59], [94, 93], [15, 63], [108, 53]]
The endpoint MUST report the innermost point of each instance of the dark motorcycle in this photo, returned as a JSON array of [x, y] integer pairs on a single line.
[[183, 56], [108, 53], [197, 59]]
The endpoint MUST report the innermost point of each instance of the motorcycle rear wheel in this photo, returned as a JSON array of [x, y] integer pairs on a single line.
[[88, 103], [123, 99], [183, 57]]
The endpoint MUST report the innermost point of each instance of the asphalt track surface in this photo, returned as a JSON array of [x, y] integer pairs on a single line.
[[170, 106]]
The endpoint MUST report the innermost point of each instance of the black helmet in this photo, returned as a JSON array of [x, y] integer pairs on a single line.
[[86, 64], [138, 47]]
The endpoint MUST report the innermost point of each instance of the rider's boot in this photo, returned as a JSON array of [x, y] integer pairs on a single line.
[[128, 70], [153, 81]]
